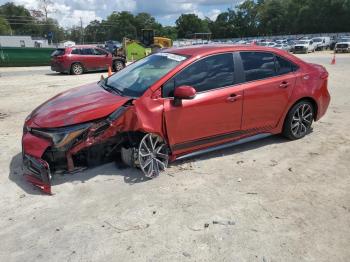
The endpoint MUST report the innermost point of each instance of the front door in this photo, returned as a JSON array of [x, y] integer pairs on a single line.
[[214, 115]]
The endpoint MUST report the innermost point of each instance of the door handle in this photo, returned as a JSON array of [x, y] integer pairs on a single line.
[[233, 98], [284, 84]]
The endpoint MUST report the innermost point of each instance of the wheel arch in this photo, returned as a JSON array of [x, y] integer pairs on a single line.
[[309, 99]]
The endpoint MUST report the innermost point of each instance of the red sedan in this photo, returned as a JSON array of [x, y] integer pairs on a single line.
[[174, 104]]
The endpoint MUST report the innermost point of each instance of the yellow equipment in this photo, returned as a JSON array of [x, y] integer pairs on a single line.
[[148, 44]]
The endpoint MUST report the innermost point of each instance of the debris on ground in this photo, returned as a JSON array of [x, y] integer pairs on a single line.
[[224, 223]]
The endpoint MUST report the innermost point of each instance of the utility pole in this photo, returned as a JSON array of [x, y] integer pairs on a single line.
[[81, 31]]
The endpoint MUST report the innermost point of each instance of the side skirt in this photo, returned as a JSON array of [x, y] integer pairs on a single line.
[[223, 146]]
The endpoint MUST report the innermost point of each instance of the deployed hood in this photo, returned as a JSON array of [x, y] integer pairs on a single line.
[[77, 105]]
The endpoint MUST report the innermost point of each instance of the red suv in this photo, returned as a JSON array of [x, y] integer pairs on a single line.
[[79, 59], [174, 104]]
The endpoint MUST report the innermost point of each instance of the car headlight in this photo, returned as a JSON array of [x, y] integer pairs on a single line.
[[60, 137]]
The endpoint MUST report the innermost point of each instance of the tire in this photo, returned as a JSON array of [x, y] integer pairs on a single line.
[[299, 120], [118, 65], [76, 69], [153, 155]]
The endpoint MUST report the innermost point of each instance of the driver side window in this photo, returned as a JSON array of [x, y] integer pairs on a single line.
[[206, 74]]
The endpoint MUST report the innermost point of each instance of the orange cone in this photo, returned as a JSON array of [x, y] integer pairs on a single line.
[[333, 60], [109, 70]]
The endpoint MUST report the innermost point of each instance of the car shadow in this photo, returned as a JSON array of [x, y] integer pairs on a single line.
[[130, 175], [67, 74]]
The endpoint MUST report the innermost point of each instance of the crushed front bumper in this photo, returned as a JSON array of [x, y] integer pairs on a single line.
[[37, 172], [35, 169]]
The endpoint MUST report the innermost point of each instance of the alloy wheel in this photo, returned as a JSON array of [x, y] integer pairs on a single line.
[[153, 155], [118, 66], [77, 69], [302, 120]]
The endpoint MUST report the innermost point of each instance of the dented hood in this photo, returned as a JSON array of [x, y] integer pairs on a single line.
[[77, 105]]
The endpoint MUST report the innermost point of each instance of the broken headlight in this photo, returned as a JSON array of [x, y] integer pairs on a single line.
[[62, 136]]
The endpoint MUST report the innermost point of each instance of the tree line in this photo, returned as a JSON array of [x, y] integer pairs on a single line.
[[250, 18]]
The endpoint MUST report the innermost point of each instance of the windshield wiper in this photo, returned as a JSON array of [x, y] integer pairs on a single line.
[[109, 87]]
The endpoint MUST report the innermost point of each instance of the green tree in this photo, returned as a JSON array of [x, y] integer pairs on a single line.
[[5, 28], [188, 24]]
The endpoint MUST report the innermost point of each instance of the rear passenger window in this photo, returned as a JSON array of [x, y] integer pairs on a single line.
[[258, 65], [87, 51], [209, 73], [75, 51], [283, 66]]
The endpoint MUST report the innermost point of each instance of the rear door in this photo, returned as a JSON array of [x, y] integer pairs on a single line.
[[214, 115], [268, 85], [87, 57]]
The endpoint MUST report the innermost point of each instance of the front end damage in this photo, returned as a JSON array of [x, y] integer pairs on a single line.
[[48, 151]]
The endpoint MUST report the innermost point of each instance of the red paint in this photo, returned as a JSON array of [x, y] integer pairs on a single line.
[[90, 62], [229, 113], [185, 92], [77, 105]]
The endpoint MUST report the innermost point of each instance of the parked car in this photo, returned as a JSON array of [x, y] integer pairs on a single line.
[[343, 45], [304, 46], [282, 46], [174, 104], [322, 43], [79, 59]]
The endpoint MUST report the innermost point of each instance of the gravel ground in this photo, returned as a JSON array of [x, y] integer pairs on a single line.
[[269, 200]]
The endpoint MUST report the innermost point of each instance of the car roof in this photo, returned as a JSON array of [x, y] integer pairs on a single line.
[[200, 50], [82, 46]]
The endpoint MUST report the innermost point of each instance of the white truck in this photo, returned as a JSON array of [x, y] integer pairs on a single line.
[[322, 42], [343, 45], [304, 46]]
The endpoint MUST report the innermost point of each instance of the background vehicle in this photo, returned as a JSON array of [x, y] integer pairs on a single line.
[[322, 43], [191, 101], [137, 49], [282, 46], [79, 59], [304, 46], [343, 45]]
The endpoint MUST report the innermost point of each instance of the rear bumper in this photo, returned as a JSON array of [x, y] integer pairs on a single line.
[[59, 68]]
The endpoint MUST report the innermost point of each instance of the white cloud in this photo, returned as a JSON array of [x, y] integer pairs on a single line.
[[213, 14], [68, 12]]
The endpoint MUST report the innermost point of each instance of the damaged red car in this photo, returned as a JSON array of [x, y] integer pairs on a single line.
[[174, 104]]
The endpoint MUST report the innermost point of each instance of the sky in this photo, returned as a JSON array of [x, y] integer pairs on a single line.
[[68, 12]]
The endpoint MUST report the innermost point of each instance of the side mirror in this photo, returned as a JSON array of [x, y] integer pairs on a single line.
[[184, 92]]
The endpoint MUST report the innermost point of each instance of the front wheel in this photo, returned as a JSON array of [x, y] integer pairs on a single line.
[[118, 65], [299, 120], [153, 155]]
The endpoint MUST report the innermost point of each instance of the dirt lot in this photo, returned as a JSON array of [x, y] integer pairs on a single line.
[[274, 200]]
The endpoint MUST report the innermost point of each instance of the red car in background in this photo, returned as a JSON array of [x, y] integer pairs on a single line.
[[174, 104], [79, 59]]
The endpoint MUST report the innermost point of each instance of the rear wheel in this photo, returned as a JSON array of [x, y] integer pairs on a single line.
[[77, 69], [299, 120]]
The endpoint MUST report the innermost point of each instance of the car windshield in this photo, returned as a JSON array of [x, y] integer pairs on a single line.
[[317, 39], [344, 40], [136, 78]]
